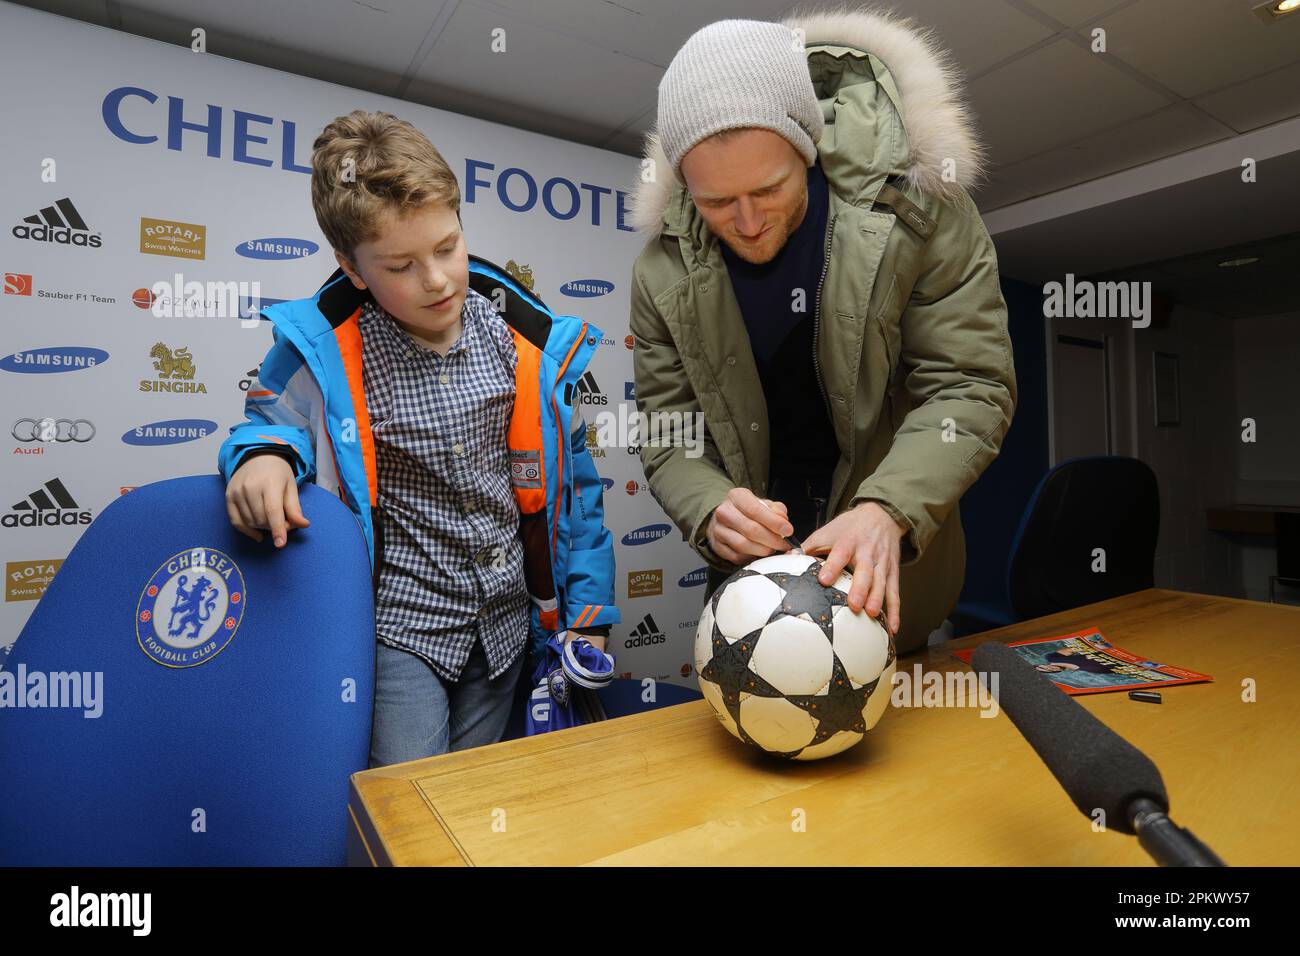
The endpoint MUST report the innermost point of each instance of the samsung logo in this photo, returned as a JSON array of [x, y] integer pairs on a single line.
[[587, 288], [59, 358], [651, 532], [173, 432], [694, 579], [278, 248]]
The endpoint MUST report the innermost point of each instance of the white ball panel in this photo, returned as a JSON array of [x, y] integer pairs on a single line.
[[775, 724], [787, 563], [793, 656], [861, 644], [834, 744], [879, 699], [746, 604], [704, 637]]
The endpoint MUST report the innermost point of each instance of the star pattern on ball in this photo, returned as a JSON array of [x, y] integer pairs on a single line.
[[840, 708], [729, 669], [804, 594]]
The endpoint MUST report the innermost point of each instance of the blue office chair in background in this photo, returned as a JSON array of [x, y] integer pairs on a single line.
[[236, 697], [1082, 504]]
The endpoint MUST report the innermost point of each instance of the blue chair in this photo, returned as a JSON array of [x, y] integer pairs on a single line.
[[1101, 501], [623, 697], [237, 689]]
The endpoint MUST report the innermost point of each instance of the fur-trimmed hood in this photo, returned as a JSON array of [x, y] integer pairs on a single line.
[[919, 84]]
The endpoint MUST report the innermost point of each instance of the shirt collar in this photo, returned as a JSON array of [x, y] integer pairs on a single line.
[[377, 316]]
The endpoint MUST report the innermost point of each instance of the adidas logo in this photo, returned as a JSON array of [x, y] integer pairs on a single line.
[[61, 224], [589, 392], [47, 506], [645, 633]]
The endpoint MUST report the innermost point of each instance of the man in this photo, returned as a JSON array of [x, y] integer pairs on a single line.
[[813, 248]]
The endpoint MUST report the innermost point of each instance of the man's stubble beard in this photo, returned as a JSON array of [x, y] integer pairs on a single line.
[[760, 257]]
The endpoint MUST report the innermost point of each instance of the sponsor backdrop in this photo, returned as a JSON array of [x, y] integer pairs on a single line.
[[137, 162]]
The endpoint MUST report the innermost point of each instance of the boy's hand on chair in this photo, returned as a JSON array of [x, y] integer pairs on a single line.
[[263, 494]]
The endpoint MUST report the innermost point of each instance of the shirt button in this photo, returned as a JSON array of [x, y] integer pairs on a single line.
[[753, 426], [731, 360], [444, 378], [482, 612]]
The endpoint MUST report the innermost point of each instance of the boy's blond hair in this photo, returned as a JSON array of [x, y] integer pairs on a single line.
[[365, 165]]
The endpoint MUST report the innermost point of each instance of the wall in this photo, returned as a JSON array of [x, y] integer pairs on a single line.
[[107, 110]]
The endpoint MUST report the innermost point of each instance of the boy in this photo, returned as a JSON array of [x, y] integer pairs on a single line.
[[446, 429]]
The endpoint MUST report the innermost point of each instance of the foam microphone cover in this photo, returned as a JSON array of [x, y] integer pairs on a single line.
[[1097, 767]]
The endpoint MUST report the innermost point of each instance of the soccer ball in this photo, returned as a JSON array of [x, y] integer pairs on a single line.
[[787, 666]]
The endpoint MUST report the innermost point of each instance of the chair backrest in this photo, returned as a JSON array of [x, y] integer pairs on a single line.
[[219, 690], [1084, 504], [624, 696], [1286, 528]]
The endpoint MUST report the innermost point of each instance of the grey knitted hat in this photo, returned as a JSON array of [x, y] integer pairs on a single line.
[[736, 73]]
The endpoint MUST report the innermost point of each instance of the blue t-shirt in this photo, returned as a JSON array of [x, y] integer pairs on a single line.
[[780, 326]]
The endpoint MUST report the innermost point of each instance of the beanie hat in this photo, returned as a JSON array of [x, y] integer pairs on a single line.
[[738, 73]]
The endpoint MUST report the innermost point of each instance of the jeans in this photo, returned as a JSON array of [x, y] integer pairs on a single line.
[[418, 714]]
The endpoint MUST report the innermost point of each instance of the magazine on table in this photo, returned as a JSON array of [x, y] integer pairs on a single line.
[[1084, 662]]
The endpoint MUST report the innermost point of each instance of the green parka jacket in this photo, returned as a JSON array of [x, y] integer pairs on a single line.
[[912, 348]]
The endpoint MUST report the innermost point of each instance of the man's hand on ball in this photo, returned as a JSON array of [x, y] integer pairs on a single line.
[[866, 539], [745, 527]]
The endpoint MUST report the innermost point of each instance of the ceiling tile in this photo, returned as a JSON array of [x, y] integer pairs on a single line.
[[90, 11], [978, 33], [1052, 97], [1266, 99], [650, 30], [1165, 132], [381, 37], [1074, 12], [583, 82], [1193, 48]]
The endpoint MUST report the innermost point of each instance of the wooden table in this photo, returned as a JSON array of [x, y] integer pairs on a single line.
[[928, 786]]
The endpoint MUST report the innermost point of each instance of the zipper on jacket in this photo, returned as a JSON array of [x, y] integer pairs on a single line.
[[817, 320]]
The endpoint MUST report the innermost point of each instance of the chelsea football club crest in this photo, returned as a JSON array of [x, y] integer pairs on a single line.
[[558, 685], [191, 608]]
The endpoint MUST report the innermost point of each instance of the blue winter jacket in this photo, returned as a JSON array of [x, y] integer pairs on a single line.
[[308, 400]]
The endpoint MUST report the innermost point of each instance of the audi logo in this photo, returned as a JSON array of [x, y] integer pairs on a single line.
[[53, 429]]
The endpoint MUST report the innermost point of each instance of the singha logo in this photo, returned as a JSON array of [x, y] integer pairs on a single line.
[[521, 274], [177, 364], [175, 368]]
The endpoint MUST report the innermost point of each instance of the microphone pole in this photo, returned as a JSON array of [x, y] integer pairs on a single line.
[[1098, 769]]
